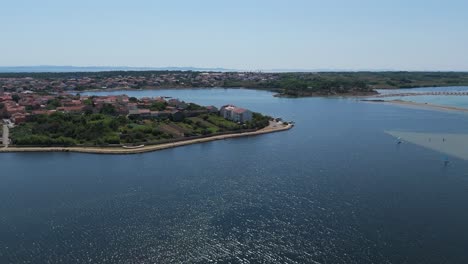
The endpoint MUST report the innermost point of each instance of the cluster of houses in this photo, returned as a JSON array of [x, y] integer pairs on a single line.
[[131, 81], [18, 107], [9, 108], [174, 108]]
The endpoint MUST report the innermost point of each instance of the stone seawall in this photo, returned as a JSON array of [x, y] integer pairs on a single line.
[[121, 150]]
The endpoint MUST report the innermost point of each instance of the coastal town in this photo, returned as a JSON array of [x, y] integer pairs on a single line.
[[18, 107], [283, 84], [59, 82], [67, 119]]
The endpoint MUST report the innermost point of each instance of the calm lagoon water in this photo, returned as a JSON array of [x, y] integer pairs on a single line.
[[335, 189], [447, 100]]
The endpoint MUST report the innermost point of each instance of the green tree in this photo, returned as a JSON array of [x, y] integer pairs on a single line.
[[158, 106], [53, 104], [192, 106], [15, 97], [108, 109]]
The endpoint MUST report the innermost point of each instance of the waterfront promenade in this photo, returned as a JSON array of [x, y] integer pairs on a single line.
[[5, 136], [271, 128]]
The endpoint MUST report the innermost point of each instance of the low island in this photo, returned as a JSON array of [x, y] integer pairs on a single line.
[[119, 124]]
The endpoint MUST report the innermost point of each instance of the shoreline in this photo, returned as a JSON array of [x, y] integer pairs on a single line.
[[98, 90], [274, 91], [144, 149], [426, 106]]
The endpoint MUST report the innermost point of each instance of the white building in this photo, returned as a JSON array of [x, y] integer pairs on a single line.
[[235, 113]]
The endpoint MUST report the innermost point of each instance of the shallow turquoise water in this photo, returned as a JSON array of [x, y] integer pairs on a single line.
[[446, 100]]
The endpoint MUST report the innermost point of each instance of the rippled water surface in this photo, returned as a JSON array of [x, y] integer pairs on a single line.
[[335, 189]]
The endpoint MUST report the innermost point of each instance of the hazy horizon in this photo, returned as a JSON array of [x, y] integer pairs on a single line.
[[71, 68], [265, 35]]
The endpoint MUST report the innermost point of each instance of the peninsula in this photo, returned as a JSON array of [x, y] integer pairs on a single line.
[[119, 124]]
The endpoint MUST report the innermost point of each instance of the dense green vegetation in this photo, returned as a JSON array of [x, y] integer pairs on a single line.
[[295, 84], [351, 83], [106, 128], [394, 80]]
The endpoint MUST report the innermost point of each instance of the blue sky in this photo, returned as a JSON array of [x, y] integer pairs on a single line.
[[240, 34]]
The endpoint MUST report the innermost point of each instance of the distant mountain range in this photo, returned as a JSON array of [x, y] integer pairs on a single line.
[[101, 68], [51, 68]]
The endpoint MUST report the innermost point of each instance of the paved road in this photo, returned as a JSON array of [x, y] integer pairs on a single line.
[[274, 124], [6, 134]]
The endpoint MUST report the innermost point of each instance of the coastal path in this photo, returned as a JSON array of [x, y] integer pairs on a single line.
[[6, 135]]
